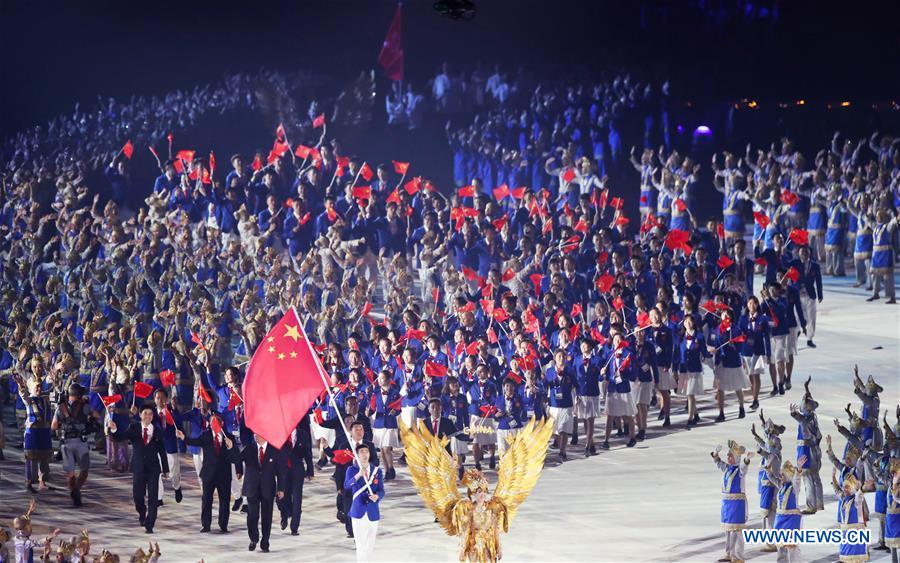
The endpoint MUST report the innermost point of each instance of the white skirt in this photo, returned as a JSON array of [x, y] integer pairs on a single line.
[[502, 436], [731, 379], [386, 438], [754, 364], [693, 383], [642, 392], [563, 419], [483, 438], [459, 447], [587, 406], [779, 348], [620, 404], [320, 433], [666, 380], [408, 416]]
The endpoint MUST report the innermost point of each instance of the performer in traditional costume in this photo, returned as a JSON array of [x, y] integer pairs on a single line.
[[808, 439], [770, 454], [734, 498], [851, 515], [892, 516], [477, 520], [788, 514]]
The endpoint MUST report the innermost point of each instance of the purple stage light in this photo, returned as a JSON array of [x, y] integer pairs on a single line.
[[703, 131]]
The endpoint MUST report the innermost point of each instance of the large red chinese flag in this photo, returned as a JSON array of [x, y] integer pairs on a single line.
[[391, 56], [283, 380]]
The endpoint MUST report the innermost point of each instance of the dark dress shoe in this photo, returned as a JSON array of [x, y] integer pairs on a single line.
[[178, 495], [721, 417], [295, 533], [148, 530], [142, 518], [605, 445], [204, 530], [224, 531], [631, 443], [244, 509], [284, 522], [252, 546], [741, 413], [159, 503], [350, 536], [237, 504], [264, 549]]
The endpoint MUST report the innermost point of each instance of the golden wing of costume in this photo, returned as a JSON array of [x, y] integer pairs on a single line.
[[433, 471]]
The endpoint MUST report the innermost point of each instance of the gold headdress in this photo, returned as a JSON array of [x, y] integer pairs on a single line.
[[774, 429], [474, 479], [788, 469], [895, 465], [851, 480], [66, 549], [852, 452], [736, 449], [873, 388]]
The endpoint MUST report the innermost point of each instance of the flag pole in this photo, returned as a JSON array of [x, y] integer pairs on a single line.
[[321, 371]]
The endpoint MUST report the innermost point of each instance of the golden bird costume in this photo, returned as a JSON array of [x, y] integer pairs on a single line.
[[478, 524]]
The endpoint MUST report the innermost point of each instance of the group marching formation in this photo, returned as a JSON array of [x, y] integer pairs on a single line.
[[870, 462], [471, 311]]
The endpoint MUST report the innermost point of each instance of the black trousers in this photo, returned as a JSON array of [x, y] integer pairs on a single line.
[[146, 484], [347, 498], [256, 507], [291, 506], [223, 488]]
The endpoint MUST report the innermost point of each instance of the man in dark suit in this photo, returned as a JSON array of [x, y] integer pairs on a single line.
[[743, 265], [263, 467], [219, 454], [351, 409], [810, 286], [298, 462], [148, 461], [344, 460], [438, 425]]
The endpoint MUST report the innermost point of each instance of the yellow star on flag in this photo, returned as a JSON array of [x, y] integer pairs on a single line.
[[292, 332], [281, 356], [293, 354], [271, 349]]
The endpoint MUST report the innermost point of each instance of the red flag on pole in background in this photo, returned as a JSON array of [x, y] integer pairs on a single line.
[[142, 390], [128, 149], [283, 379], [391, 56]]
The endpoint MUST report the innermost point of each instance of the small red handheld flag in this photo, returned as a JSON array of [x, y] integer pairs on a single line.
[[342, 457], [799, 237], [518, 193], [234, 400], [128, 149], [501, 192], [204, 394], [605, 283], [568, 175], [738, 339], [110, 400], [761, 262], [362, 192], [395, 405], [319, 121], [434, 369], [792, 274], [167, 377], [169, 418], [467, 191], [142, 390], [400, 167], [366, 172], [196, 340], [761, 219], [724, 262]]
